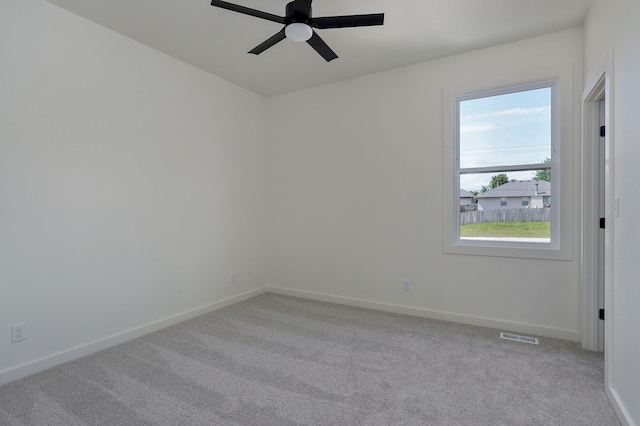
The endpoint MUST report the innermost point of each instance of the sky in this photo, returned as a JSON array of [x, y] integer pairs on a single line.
[[509, 129]]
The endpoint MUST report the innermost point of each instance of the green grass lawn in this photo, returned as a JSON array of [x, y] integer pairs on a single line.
[[508, 229]]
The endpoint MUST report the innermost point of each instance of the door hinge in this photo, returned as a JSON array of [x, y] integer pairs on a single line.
[[601, 314], [602, 223], [603, 131]]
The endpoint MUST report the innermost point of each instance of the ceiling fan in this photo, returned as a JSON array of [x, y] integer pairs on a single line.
[[298, 25]]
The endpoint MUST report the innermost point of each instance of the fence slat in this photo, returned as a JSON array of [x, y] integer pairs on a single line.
[[506, 215]]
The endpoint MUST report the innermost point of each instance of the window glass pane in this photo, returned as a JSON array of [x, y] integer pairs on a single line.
[[509, 206], [505, 130]]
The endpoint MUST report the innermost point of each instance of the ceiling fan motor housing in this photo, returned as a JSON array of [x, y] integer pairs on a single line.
[[292, 15]]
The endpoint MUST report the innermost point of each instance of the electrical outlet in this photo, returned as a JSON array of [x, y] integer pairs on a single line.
[[18, 332], [406, 286], [233, 278]]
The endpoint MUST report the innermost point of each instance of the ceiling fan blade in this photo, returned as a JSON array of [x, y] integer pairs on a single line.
[[278, 37], [301, 9], [248, 11], [321, 47], [348, 21]]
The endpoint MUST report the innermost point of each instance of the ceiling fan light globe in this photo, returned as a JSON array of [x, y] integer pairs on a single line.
[[298, 31]]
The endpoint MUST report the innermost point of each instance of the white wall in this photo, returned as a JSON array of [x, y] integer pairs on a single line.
[[355, 202], [131, 184], [612, 29]]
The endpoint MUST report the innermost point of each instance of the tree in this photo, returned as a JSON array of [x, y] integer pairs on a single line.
[[498, 180], [544, 174]]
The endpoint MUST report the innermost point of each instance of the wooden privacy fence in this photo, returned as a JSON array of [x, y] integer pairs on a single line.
[[506, 215]]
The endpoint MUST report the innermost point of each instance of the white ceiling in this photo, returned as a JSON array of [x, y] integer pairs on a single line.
[[217, 40]]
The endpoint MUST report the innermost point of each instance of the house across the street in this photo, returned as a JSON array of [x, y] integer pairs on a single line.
[[467, 202], [517, 194]]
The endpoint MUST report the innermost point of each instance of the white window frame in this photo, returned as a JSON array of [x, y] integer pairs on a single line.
[[561, 245]]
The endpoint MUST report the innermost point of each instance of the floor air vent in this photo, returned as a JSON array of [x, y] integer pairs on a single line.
[[517, 338]]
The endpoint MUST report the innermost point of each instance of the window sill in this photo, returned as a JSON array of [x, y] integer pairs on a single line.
[[507, 247]]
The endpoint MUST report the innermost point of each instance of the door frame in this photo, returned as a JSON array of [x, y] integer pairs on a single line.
[[591, 187], [597, 88]]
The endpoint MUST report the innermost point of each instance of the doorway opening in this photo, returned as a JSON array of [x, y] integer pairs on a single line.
[[595, 183]]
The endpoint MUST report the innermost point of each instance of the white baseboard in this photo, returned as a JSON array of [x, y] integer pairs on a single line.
[[556, 333], [42, 364], [618, 407]]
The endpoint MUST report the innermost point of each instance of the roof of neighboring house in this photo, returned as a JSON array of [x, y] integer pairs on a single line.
[[465, 194], [519, 188]]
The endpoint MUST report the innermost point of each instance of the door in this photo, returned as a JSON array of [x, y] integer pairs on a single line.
[[595, 241], [601, 213]]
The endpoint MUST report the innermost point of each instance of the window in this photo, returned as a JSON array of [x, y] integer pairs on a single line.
[[504, 150], [510, 141]]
